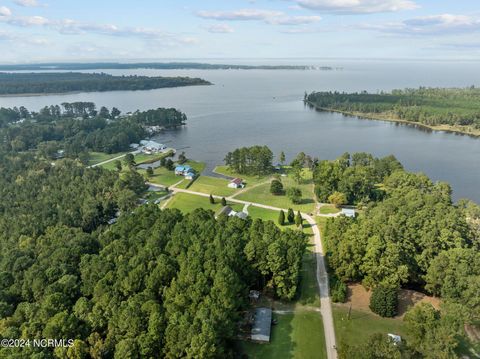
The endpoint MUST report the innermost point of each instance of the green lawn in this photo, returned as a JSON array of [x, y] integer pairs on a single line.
[[162, 176], [328, 209], [188, 202], [249, 180], [212, 185], [261, 193], [97, 157], [362, 325], [297, 335], [142, 158]]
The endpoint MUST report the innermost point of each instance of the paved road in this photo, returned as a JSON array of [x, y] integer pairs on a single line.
[[322, 276]]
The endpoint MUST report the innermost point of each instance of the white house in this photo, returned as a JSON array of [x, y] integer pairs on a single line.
[[152, 146], [396, 339], [236, 183]]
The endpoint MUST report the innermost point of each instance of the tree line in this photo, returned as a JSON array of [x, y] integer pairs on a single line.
[[79, 127], [61, 82], [411, 235], [429, 106], [255, 160]]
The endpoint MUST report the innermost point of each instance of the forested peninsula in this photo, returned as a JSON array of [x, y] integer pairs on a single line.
[[155, 65], [58, 82], [445, 109], [78, 127]]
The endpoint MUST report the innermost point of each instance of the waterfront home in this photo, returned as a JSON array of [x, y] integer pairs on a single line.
[[236, 183], [150, 147], [182, 170], [190, 175]]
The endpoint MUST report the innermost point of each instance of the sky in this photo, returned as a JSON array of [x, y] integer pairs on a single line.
[[106, 30]]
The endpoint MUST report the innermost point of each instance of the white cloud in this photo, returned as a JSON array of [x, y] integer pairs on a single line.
[[220, 29], [5, 11], [444, 24], [294, 20], [21, 39], [357, 6], [73, 27], [28, 3], [239, 15], [267, 16]]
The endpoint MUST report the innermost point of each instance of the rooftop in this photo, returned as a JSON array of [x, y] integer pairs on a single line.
[[262, 325]]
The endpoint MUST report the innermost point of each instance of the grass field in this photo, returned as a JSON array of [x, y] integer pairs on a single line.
[[362, 325], [261, 194], [142, 158], [212, 185], [297, 335], [97, 157], [162, 176], [188, 202], [249, 180], [328, 209]]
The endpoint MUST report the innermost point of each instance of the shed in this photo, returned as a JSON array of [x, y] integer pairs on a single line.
[[227, 210], [348, 212], [262, 325]]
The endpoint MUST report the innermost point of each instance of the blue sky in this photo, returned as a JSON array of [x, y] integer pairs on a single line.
[[54, 30]]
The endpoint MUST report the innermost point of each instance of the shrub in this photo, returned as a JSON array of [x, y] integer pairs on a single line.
[[338, 290], [295, 195], [384, 301], [276, 187]]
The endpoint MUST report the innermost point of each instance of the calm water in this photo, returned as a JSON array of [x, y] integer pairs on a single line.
[[244, 108]]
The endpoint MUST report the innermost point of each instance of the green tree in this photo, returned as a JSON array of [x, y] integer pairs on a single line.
[[282, 158], [384, 301], [182, 158], [212, 200], [281, 218], [295, 195], [290, 216], [299, 220], [223, 201], [118, 165], [338, 199], [276, 187], [129, 159], [149, 172]]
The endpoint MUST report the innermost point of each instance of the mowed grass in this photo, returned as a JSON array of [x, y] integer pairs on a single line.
[[186, 203], [261, 194], [97, 157], [328, 209], [162, 176], [297, 335], [362, 325], [249, 180], [212, 185]]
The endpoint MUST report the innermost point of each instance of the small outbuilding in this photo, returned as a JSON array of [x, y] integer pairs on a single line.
[[262, 325], [348, 212], [236, 183]]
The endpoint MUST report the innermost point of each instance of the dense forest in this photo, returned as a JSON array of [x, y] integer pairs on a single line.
[[429, 106], [155, 284], [61, 82], [78, 127], [409, 234], [153, 65]]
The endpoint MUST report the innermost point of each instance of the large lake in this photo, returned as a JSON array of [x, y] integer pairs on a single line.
[[250, 107]]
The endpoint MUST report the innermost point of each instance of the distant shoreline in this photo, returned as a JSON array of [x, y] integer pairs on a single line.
[[39, 94], [388, 118]]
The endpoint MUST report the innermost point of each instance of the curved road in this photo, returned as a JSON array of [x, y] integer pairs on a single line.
[[322, 276]]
